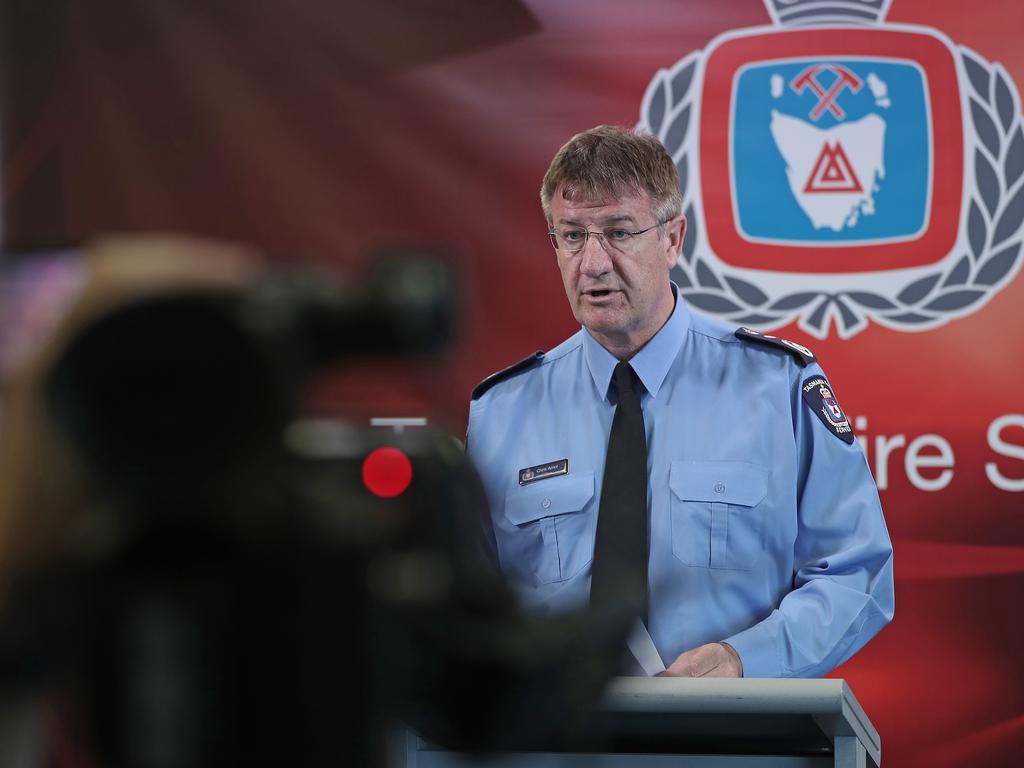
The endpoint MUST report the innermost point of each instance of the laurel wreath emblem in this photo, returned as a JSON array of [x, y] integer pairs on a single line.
[[991, 258]]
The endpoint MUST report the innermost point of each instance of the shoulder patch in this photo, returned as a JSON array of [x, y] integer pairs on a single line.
[[500, 376], [818, 395], [803, 355]]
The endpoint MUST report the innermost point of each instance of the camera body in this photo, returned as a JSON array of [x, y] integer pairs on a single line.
[[237, 594]]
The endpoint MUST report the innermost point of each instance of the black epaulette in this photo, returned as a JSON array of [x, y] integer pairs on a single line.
[[803, 355], [495, 378]]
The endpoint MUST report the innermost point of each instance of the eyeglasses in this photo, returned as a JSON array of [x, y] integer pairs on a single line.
[[574, 239]]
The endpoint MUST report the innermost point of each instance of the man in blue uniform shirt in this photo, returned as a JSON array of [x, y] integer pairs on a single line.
[[768, 555]]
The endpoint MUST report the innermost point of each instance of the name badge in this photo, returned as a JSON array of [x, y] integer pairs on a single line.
[[543, 471]]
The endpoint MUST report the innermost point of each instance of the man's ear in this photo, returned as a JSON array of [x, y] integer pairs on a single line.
[[676, 234]]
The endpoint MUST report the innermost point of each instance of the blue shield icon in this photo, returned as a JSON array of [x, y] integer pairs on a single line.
[[833, 151]]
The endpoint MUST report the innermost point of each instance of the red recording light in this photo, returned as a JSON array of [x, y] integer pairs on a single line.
[[387, 472]]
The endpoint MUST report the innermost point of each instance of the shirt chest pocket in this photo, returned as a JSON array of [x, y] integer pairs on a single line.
[[551, 527], [717, 514]]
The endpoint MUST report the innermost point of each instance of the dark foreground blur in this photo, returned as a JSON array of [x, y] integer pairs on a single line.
[[193, 575]]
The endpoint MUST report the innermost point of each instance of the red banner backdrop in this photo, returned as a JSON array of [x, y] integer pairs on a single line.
[[323, 132]]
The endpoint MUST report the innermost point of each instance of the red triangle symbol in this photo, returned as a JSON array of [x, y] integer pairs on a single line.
[[832, 172]]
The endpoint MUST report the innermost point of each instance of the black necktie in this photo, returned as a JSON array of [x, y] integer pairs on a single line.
[[619, 571]]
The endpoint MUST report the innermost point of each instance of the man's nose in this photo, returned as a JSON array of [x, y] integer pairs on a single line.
[[595, 260]]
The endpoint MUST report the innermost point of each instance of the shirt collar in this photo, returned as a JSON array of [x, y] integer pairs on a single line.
[[652, 362]]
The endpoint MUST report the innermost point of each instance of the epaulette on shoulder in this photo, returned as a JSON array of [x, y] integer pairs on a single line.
[[803, 355], [500, 376]]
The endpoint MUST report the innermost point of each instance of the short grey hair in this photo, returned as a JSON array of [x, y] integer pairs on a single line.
[[609, 161]]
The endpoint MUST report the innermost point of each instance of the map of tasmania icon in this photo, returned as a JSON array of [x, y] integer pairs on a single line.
[[838, 170], [819, 154]]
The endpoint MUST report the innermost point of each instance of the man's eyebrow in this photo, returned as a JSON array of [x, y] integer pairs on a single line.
[[570, 222], [621, 218]]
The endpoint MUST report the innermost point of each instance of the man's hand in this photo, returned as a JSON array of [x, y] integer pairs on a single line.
[[711, 660]]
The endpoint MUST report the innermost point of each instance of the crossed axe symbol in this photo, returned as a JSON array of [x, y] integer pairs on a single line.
[[826, 98]]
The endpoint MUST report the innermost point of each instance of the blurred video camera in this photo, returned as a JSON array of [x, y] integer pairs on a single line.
[[238, 593]]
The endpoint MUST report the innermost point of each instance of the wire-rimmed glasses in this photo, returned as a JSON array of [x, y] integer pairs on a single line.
[[574, 239]]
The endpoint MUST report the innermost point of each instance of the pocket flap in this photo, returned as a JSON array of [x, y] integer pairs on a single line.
[[553, 496], [731, 482]]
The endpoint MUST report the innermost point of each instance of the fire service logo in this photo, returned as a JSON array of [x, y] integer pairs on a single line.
[[838, 170]]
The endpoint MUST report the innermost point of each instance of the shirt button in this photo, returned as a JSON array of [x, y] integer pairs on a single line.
[[546, 503], [719, 487]]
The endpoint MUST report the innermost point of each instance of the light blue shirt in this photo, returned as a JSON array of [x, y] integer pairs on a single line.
[[766, 530]]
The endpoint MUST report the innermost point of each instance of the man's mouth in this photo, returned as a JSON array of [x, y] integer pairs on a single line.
[[598, 293]]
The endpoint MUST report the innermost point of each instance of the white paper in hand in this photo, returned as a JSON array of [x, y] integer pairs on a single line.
[[642, 647]]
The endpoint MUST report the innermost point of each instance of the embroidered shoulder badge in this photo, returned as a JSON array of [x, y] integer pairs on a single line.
[[803, 355], [818, 395], [500, 376]]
